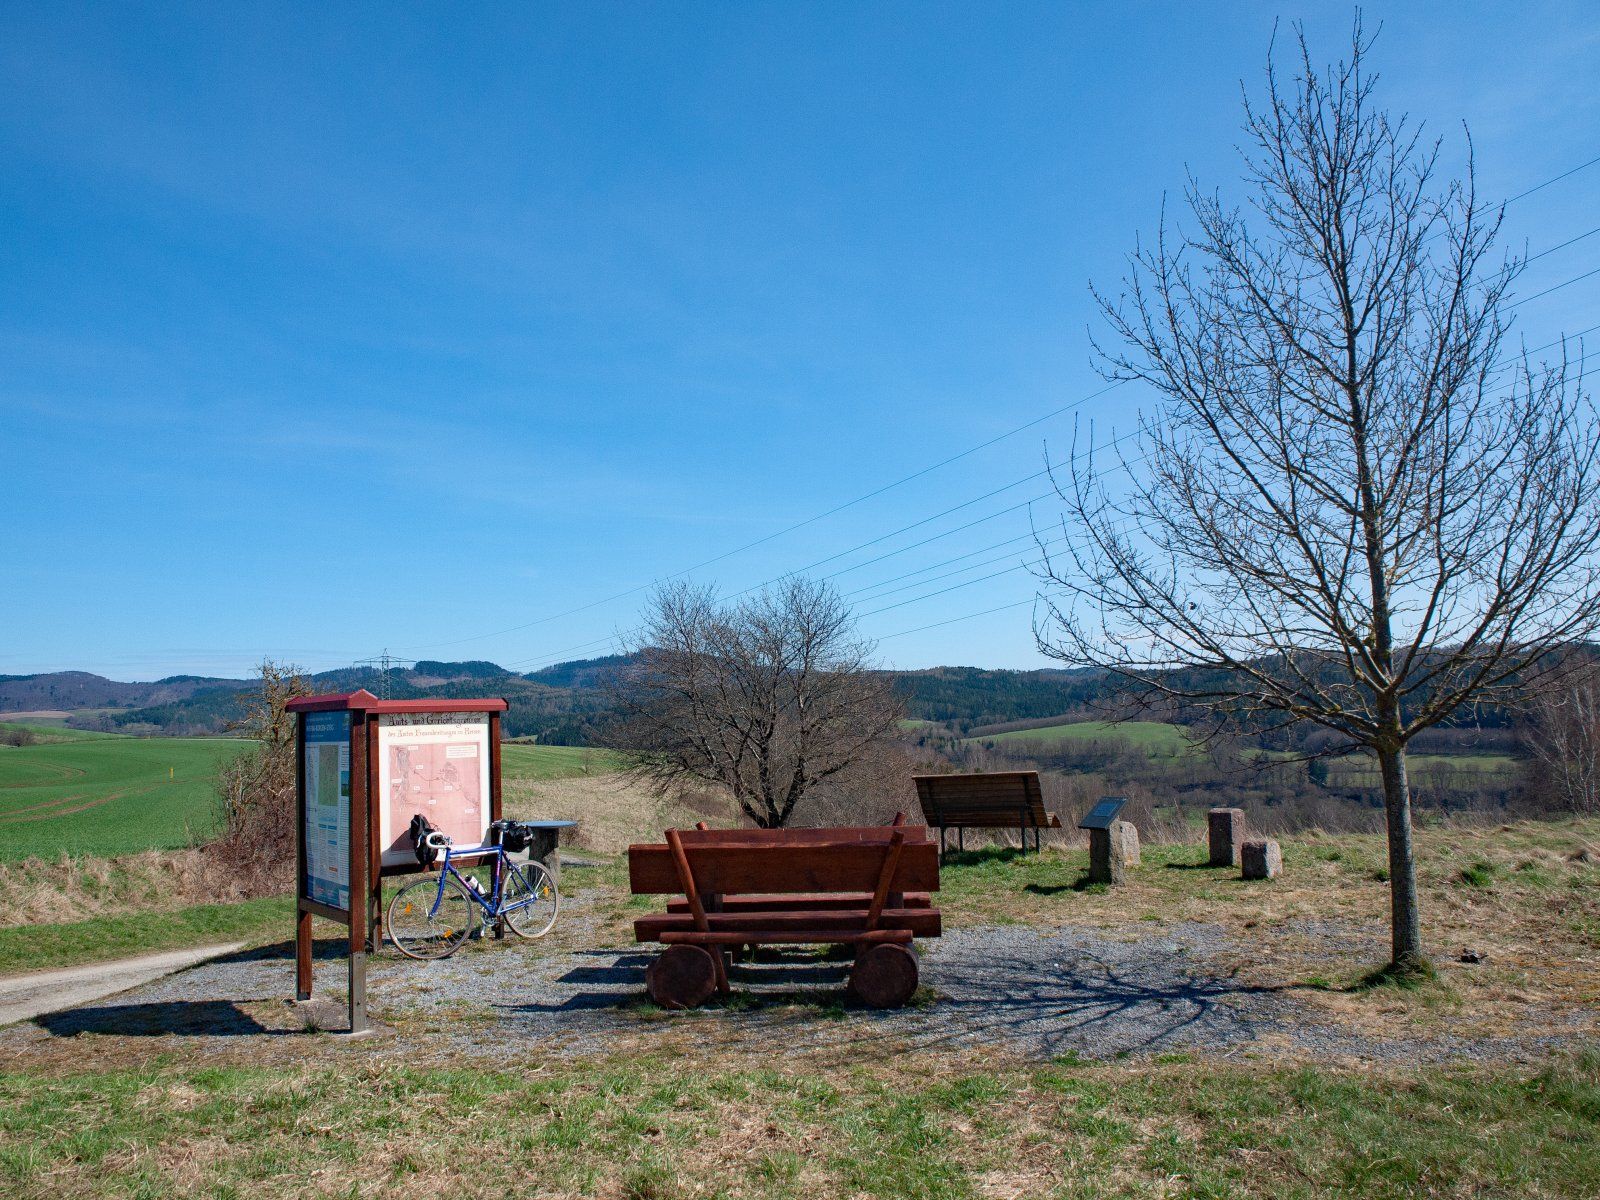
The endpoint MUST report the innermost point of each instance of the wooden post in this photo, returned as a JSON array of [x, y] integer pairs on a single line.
[[302, 923], [360, 839], [373, 894], [691, 892]]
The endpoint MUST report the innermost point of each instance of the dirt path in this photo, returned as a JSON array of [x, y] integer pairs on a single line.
[[26, 996]]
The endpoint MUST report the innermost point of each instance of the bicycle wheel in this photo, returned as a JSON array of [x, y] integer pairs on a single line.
[[529, 900], [423, 923]]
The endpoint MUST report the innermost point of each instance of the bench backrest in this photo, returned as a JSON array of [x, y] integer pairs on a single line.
[[803, 867], [995, 799], [879, 834]]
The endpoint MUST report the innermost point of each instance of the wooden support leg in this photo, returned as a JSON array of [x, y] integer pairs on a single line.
[[302, 956]]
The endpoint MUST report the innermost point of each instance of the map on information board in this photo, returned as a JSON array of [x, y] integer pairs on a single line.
[[436, 764], [326, 835]]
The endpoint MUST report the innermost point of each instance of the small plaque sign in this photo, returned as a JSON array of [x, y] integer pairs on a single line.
[[1102, 814]]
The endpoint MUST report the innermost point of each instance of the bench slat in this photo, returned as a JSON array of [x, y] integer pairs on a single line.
[[798, 937], [795, 902], [922, 922], [812, 868]]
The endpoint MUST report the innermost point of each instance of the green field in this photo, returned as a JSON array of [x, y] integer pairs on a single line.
[[543, 763], [45, 732], [107, 795], [1156, 738], [1359, 771], [92, 793]]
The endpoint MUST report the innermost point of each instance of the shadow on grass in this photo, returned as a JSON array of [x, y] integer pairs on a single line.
[[1083, 883], [984, 856], [215, 1018], [1403, 977], [1197, 866]]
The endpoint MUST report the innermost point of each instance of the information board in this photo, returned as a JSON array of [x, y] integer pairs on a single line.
[[326, 835], [436, 764]]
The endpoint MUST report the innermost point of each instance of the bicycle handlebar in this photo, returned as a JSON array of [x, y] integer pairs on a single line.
[[434, 840]]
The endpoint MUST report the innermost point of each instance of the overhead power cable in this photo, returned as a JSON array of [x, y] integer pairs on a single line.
[[965, 453]]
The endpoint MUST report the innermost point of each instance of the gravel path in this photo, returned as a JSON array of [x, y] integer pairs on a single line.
[[1040, 993]]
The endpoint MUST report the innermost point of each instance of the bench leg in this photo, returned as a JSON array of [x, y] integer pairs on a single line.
[[884, 976]]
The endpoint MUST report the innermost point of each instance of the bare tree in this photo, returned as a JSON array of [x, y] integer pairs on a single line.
[[769, 698], [1350, 512], [1564, 736], [255, 790]]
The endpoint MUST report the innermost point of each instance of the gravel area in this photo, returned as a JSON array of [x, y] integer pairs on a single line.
[[1039, 993]]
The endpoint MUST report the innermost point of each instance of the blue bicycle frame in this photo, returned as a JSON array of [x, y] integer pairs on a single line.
[[493, 908]]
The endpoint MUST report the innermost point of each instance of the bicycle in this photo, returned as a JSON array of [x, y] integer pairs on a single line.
[[432, 919]]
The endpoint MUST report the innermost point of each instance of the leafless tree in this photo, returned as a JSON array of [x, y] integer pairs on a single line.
[[1564, 736], [255, 790], [771, 698], [1349, 510]]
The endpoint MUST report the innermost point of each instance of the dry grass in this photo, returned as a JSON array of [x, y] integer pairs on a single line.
[[35, 891], [1524, 898], [612, 811], [646, 1128]]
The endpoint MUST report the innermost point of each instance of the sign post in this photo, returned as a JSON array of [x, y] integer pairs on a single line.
[[364, 768]]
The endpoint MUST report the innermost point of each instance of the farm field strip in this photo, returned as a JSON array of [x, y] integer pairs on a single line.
[[108, 796], [1159, 738]]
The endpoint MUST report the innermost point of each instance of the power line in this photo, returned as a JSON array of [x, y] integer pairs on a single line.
[[1561, 246], [934, 467], [761, 541], [1556, 288], [1539, 187], [966, 617]]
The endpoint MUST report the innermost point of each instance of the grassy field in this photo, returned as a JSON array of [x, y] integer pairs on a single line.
[[646, 1128], [701, 1116], [1156, 738], [82, 793], [42, 947], [541, 763], [47, 732], [101, 795], [1354, 771]]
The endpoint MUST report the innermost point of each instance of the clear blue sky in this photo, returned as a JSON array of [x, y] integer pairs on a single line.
[[325, 329]]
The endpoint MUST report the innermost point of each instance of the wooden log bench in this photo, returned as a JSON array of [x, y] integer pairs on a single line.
[[992, 800], [770, 902], [805, 887]]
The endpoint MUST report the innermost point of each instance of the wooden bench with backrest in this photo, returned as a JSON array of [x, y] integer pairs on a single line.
[[766, 901], [993, 800], [807, 890]]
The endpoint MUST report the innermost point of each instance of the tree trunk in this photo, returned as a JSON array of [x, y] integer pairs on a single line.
[[1405, 921]]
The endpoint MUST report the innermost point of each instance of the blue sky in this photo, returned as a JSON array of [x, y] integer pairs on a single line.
[[331, 329]]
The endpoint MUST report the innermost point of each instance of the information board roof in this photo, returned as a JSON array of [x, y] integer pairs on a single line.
[[367, 702]]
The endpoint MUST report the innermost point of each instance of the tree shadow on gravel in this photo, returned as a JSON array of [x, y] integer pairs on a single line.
[[322, 950]]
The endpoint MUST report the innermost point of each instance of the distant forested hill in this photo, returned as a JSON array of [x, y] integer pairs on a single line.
[[565, 704]]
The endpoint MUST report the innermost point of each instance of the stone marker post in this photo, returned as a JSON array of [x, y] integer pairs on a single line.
[[1108, 852], [1260, 858], [1129, 834], [1226, 829]]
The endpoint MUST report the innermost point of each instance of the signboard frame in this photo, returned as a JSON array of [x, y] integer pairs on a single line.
[[364, 915]]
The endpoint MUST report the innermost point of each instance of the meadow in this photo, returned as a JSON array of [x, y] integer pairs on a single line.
[[1158, 739], [80, 793], [95, 794], [686, 1107]]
